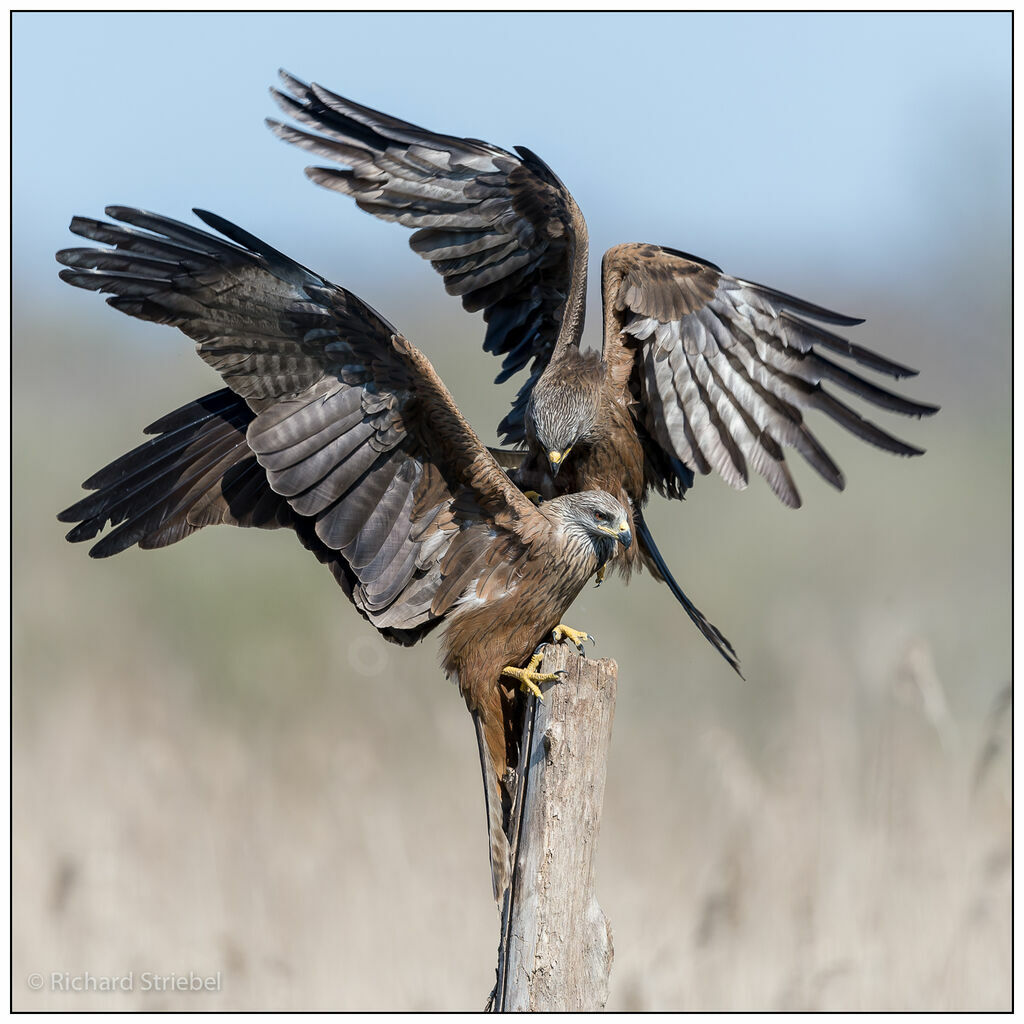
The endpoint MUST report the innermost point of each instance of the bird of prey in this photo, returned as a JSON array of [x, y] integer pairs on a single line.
[[333, 425], [699, 371]]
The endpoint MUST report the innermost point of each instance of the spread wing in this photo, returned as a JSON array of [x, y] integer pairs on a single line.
[[722, 371], [500, 228], [334, 424], [196, 472]]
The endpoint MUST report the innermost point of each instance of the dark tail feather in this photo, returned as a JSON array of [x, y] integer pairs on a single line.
[[500, 852], [711, 633]]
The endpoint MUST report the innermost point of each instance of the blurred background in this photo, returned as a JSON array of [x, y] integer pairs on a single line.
[[218, 766]]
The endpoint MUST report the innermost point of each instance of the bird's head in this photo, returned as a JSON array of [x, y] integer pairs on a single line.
[[561, 415], [598, 517]]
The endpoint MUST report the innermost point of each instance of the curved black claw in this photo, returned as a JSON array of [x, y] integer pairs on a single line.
[[566, 634]]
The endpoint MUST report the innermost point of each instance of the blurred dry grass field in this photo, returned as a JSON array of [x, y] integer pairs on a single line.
[[219, 767]]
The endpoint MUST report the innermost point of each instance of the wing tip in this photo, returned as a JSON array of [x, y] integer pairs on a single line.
[[290, 80], [79, 224]]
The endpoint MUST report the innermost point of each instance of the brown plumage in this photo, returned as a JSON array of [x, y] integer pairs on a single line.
[[699, 371], [335, 426]]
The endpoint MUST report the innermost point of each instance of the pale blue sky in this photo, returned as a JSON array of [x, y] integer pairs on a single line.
[[831, 155]]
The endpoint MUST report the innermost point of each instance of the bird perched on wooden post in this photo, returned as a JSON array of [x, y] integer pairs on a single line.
[[699, 371], [333, 425]]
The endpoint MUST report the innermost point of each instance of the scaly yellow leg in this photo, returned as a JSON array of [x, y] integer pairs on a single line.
[[574, 636], [529, 678], [599, 575]]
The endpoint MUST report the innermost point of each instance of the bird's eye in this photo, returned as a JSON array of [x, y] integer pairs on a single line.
[[599, 516]]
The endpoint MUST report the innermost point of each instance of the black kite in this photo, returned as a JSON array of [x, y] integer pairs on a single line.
[[699, 371], [335, 426]]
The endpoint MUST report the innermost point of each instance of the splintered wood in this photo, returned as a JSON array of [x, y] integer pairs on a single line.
[[556, 943]]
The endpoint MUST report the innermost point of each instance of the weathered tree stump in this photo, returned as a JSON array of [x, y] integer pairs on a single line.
[[556, 944]]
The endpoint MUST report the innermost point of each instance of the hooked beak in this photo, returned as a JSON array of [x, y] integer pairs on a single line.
[[624, 536], [621, 533], [555, 460]]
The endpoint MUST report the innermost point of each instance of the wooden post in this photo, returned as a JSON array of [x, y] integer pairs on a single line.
[[556, 944]]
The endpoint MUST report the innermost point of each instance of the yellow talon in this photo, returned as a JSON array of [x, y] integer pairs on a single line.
[[574, 636], [600, 575], [534, 496], [529, 678]]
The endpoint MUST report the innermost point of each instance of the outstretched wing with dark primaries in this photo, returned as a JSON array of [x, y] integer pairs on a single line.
[[334, 425], [722, 371], [197, 472], [500, 228]]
